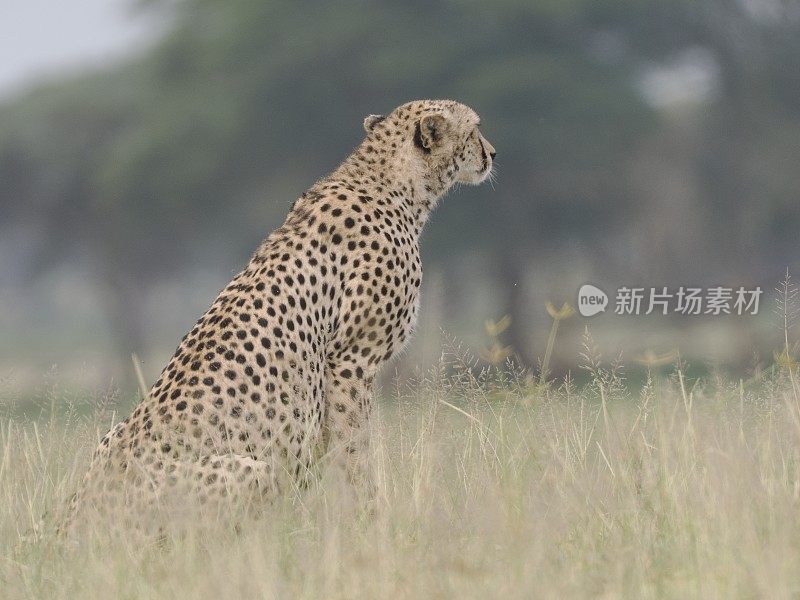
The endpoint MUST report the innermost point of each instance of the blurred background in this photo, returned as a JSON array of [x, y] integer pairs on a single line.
[[146, 147]]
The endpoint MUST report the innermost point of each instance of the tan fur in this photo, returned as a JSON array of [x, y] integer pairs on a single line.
[[281, 365]]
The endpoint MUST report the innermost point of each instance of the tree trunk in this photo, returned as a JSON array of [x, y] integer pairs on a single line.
[[123, 305]]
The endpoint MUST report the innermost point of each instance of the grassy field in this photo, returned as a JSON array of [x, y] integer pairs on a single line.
[[490, 485]]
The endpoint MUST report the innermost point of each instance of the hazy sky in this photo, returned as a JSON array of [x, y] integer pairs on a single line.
[[45, 39], [41, 39]]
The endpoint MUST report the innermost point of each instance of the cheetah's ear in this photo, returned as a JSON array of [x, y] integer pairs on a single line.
[[429, 131], [371, 121]]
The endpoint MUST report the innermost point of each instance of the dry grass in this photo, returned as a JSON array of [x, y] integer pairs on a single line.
[[488, 487]]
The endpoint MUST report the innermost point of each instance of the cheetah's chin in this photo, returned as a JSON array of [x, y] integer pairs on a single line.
[[482, 176]]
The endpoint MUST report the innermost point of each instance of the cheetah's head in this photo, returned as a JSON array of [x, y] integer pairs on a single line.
[[442, 136]]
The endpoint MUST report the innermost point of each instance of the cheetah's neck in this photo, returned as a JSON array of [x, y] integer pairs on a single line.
[[394, 174]]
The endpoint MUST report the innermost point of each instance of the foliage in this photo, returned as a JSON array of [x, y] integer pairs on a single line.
[[194, 150]]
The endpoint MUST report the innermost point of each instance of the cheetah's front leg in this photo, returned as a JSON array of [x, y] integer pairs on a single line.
[[348, 405]]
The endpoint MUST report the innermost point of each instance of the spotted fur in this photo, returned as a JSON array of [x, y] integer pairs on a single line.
[[281, 366]]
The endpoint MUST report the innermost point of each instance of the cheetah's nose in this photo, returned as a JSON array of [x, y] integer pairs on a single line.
[[492, 154]]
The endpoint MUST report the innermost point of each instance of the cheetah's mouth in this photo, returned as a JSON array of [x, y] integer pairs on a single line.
[[485, 167]]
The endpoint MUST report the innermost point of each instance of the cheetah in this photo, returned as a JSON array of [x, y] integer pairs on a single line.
[[281, 366]]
